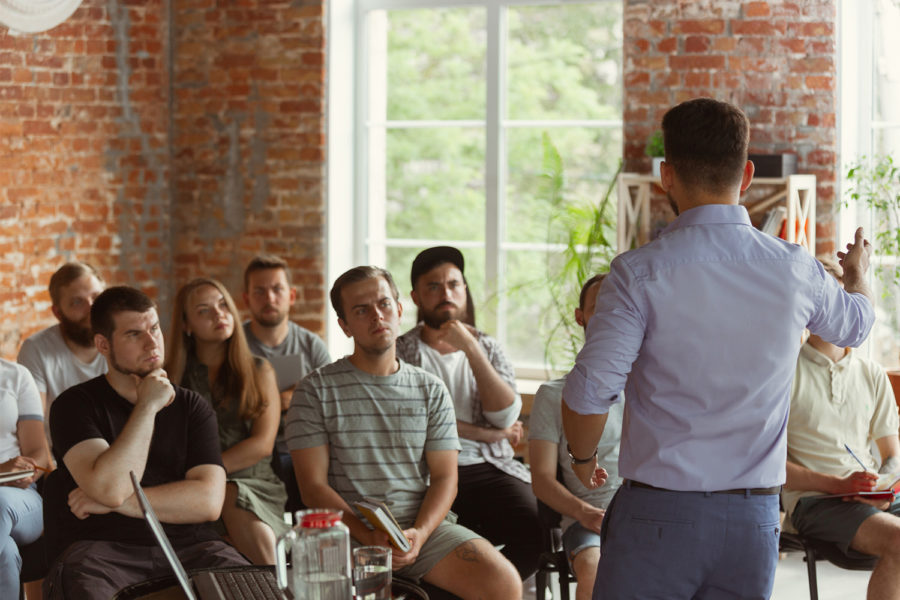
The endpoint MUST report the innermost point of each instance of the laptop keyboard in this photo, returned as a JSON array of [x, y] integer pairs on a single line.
[[247, 585]]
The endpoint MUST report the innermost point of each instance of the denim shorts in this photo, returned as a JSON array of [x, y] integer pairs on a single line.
[[576, 538]]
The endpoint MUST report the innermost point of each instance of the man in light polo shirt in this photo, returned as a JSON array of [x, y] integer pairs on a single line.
[[370, 425], [840, 398]]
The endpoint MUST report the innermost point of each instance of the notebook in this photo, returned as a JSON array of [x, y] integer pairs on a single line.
[[208, 585]]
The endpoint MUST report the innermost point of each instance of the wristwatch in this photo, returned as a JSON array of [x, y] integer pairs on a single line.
[[580, 461]]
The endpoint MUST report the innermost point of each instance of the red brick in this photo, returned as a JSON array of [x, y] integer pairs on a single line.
[[697, 62], [713, 26], [767, 28], [757, 9], [696, 43]]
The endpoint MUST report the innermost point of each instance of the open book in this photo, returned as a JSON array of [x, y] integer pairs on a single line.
[[15, 476], [379, 516], [890, 492]]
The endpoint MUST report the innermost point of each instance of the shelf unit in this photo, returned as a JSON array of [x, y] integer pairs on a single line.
[[798, 192]]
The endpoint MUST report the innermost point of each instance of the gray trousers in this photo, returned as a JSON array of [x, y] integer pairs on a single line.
[[97, 569]]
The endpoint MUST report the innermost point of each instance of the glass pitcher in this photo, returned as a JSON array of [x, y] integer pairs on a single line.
[[319, 546]]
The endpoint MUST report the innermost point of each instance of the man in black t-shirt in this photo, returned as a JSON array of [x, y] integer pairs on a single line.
[[131, 419]]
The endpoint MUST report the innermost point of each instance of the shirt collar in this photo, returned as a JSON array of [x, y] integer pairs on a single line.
[[710, 214], [820, 359]]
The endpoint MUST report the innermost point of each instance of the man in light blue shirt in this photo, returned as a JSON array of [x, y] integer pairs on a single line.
[[701, 328]]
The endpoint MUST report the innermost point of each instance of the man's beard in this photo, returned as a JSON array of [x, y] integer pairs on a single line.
[[437, 317], [114, 364], [77, 332], [270, 320]]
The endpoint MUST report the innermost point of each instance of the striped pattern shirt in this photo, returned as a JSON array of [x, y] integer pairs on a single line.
[[377, 428]]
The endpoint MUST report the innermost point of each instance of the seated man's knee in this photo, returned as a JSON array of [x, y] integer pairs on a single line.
[[475, 569], [585, 565]]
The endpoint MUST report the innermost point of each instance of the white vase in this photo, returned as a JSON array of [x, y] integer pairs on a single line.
[[654, 169]]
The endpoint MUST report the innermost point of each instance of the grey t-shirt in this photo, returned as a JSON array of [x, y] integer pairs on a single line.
[[545, 423], [53, 366], [301, 352], [377, 428]]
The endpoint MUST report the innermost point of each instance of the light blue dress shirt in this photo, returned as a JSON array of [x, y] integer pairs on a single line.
[[702, 327]]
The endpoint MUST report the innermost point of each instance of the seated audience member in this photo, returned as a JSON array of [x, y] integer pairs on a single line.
[[495, 498], [64, 354], [839, 397], [292, 350], [582, 509], [23, 446], [132, 419], [209, 355], [370, 425]]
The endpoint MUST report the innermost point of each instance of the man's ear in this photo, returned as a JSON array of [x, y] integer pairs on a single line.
[[56, 312], [293, 295], [747, 176], [246, 298], [102, 344], [343, 327], [415, 298], [579, 317], [399, 309]]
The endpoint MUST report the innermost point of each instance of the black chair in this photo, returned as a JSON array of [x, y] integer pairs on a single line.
[[814, 550], [553, 559]]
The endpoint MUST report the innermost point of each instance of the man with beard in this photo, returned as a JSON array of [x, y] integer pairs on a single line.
[[292, 350], [370, 425], [132, 419], [64, 354], [495, 497]]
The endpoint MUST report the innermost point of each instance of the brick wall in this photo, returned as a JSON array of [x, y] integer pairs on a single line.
[[248, 143], [103, 160], [775, 59], [83, 156]]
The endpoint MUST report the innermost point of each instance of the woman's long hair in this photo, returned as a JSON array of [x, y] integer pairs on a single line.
[[238, 371]]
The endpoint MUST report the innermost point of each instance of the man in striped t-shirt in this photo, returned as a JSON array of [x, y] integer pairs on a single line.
[[371, 425]]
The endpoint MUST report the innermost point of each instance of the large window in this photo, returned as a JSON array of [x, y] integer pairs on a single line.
[[453, 100], [870, 127]]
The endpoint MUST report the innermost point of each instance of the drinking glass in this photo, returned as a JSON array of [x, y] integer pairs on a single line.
[[372, 572]]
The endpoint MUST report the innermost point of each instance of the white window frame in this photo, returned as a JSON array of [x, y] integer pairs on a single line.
[[350, 133]]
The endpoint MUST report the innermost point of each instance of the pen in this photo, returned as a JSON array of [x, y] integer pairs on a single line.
[[856, 458], [44, 469]]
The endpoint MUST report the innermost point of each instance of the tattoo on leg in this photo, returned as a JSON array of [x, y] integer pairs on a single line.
[[468, 552]]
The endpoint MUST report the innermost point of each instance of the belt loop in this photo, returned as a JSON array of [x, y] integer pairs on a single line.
[[628, 483], [707, 494], [747, 492]]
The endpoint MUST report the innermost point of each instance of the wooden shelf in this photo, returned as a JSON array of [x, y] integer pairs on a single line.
[[798, 192]]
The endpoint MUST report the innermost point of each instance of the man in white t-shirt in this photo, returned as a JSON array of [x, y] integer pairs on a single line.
[[64, 354], [842, 400], [494, 498], [293, 350]]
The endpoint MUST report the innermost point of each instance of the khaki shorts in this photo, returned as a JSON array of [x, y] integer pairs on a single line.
[[439, 544]]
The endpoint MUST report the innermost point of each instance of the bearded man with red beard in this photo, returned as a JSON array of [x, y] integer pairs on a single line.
[[64, 354]]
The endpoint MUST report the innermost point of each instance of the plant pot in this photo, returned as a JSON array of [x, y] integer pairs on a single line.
[[654, 167]]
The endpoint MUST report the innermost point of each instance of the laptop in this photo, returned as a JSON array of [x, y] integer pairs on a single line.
[[226, 584]]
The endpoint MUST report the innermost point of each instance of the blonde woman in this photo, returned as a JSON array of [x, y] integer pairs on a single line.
[[208, 353]]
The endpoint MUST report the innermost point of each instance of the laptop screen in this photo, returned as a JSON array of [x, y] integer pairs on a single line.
[[162, 539]]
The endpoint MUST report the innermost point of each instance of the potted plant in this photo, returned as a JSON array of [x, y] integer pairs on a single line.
[[873, 182], [656, 150]]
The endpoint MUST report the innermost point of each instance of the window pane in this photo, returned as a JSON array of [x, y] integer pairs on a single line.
[[887, 67], [590, 158], [540, 322], [435, 183], [436, 64], [565, 62]]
